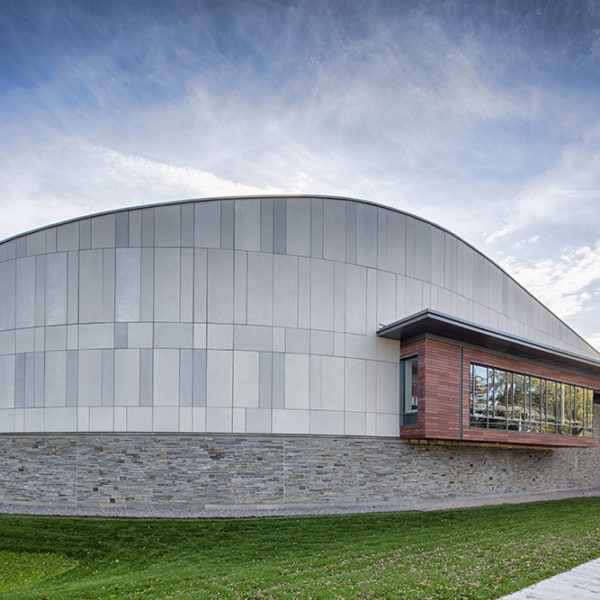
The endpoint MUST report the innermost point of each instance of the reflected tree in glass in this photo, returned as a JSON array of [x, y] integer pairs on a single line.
[[550, 424], [479, 396], [497, 418], [519, 400], [535, 405], [579, 410], [589, 412]]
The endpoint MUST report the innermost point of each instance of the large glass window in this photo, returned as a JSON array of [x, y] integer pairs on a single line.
[[502, 399], [409, 370]]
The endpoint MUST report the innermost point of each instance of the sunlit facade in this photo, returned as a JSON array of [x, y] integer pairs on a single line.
[[332, 319]]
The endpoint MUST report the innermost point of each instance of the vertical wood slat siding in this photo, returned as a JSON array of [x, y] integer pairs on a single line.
[[439, 395]]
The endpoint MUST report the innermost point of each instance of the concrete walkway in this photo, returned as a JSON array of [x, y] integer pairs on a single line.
[[580, 583]]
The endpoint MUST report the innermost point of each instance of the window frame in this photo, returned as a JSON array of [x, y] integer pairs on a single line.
[[562, 417], [408, 418]]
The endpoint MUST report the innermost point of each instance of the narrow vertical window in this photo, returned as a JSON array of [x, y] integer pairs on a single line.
[[479, 396], [410, 390]]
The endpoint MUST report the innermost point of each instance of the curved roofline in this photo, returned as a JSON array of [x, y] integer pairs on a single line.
[[322, 196]]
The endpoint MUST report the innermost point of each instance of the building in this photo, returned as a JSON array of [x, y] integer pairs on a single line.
[[280, 351]]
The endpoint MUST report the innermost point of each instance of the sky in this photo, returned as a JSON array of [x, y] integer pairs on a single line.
[[482, 116]]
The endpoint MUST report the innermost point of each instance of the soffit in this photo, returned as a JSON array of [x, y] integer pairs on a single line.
[[430, 321]]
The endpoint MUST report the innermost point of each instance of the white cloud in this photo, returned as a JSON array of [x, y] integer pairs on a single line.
[[567, 193], [71, 177], [594, 340], [565, 284]]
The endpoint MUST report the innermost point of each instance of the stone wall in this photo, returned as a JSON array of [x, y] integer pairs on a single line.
[[193, 471]]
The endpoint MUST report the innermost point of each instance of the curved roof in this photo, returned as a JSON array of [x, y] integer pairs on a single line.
[[561, 330]]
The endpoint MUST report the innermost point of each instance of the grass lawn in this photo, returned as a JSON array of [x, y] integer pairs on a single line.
[[468, 553]]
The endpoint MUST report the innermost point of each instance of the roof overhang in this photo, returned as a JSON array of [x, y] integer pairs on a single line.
[[432, 322]]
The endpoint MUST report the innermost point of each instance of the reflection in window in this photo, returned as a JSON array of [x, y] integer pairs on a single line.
[[550, 421], [535, 405], [502, 399], [479, 396], [410, 390]]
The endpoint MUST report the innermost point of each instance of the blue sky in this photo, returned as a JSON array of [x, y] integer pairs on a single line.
[[482, 116]]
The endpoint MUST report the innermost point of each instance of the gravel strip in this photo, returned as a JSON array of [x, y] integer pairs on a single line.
[[286, 511]]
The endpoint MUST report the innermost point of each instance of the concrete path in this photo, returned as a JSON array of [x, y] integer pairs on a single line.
[[580, 583]]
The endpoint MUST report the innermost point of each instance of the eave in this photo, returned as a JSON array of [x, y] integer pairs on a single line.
[[432, 322]]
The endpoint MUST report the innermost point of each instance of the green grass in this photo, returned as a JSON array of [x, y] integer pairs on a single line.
[[19, 569], [469, 553]]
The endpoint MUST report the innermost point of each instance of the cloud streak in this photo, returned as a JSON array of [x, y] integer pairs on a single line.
[[482, 117]]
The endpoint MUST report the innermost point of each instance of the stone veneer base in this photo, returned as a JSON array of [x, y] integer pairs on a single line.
[[190, 471]]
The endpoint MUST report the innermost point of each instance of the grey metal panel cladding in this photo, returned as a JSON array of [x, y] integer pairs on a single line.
[[304, 288], [103, 231], [56, 289], [334, 230], [366, 235], [85, 234], [240, 286], [50, 240], [187, 225], [72, 377], [220, 286], [438, 249], [279, 225], [35, 243], [39, 378], [207, 223], [298, 224], [29, 380], [90, 286], [316, 227], [67, 237], [285, 291], [227, 223], [19, 380], [167, 226], [423, 233], [199, 378], [25, 292], [247, 225], [186, 306], [122, 230], [108, 285], [382, 240], [40, 285], [260, 288], [121, 335], [108, 377], [146, 376], [451, 262], [351, 218], [266, 225], [21, 248], [7, 294], [265, 380], [186, 370], [200, 283], [167, 273], [147, 227], [128, 278], [72, 287], [321, 294], [410, 255]]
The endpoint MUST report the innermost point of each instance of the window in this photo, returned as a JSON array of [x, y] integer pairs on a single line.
[[409, 373], [502, 399]]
